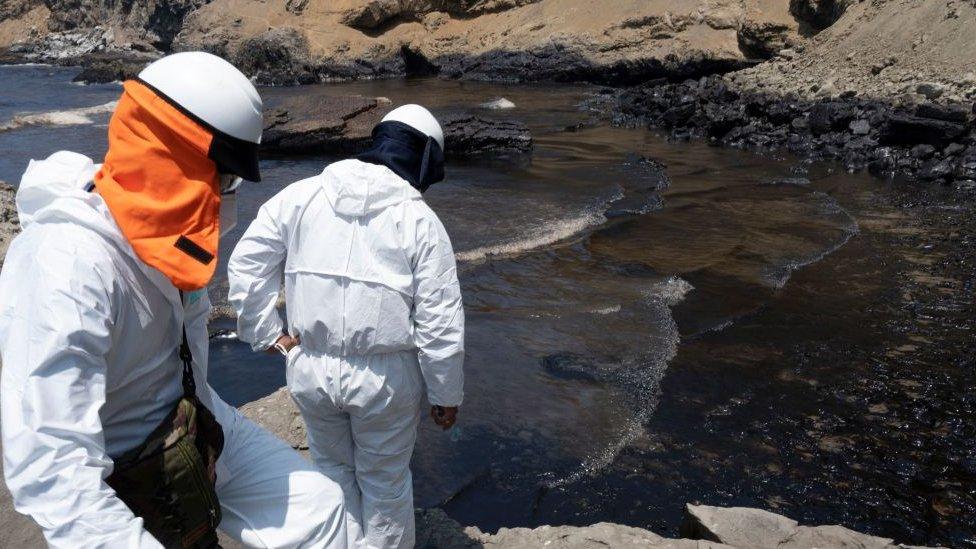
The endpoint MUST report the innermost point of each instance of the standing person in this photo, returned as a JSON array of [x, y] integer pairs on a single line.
[[111, 435], [374, 314]]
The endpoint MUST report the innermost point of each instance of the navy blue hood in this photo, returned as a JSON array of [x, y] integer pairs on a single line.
[[408, 152]]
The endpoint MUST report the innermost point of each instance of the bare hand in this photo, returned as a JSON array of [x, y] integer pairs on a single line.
[[287, 342], [444, 416]]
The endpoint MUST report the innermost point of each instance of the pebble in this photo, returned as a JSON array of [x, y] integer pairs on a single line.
[[860, 127], [931, 90]]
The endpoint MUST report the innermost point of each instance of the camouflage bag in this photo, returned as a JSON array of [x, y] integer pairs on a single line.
[[169, 480]]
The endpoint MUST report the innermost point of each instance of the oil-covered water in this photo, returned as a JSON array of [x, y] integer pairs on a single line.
[[652, 323]]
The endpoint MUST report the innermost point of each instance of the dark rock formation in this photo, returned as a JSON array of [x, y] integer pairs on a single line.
[[329, 124], [156, 21], [278, 57], [904, 129], [467, 134], [926, 140], [102, 69], [321, 124], [819, 14]]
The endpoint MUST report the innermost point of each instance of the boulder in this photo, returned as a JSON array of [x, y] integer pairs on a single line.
[[931, 90], [819, 14], [831, 116], [904, 129], [104, 69], [966, 169], [321, 124], [737, 526], [949, 113], [860, 127], [467, 134]]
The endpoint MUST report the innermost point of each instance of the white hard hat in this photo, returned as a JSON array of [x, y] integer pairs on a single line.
[[220, 97], [419, 119]]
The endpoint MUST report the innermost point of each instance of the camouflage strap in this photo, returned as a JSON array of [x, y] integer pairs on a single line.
[[170, 479]]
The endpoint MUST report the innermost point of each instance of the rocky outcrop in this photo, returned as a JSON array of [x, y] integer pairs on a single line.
[[890, 86], [518, 40], [155, 22], [295, 41], [321, 124], [333, 124], [471, 135], [102, 68], [929, 141], [9, 223]]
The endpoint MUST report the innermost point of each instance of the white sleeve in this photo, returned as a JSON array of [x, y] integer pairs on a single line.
[[438, 314], [254, 275], [55, 333]]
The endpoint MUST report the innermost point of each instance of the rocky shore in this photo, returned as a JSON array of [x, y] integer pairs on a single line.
[[926, 140], [890, 86], [319, 123], [703, 526]]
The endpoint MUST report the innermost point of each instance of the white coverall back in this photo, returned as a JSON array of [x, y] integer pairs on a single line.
[[89, 336], [371, 289]]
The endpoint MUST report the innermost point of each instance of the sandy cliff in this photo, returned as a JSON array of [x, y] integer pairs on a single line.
[[292, 41], [903, 50]]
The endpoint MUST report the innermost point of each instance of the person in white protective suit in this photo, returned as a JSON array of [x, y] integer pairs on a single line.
[[95, 293], [374, 312]]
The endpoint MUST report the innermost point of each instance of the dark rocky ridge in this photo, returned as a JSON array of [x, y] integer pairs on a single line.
[[329, 124], [927, 141]]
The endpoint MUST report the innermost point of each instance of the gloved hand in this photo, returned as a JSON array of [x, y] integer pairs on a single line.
[[285, 341], [444, 416]]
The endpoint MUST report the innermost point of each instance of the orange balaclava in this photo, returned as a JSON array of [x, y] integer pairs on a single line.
[[162, 187]]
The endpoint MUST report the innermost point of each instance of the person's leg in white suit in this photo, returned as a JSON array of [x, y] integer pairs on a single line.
[[270, 496], [362, 415]]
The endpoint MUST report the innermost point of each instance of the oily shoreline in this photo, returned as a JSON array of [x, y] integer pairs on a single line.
[[927, 141]]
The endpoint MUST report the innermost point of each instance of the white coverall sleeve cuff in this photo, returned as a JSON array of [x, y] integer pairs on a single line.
[[445, 381], [270, 335]]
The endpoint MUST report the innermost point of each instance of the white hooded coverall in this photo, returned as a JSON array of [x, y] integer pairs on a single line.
[[371, 290], [89, 336]]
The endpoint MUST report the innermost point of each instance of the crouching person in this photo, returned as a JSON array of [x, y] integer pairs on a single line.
[[374, 315], [111, 435]]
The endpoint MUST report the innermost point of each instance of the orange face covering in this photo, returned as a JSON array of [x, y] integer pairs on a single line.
[[161, 186]]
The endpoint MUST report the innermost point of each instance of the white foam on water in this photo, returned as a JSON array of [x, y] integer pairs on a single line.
[[230, 335], [70, 117], [672, 290], [778, 277], [613, 309], [645, 373], [543, 235]]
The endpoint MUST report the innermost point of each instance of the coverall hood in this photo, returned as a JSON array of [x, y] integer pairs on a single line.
[[162, 187], [358, 189]]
